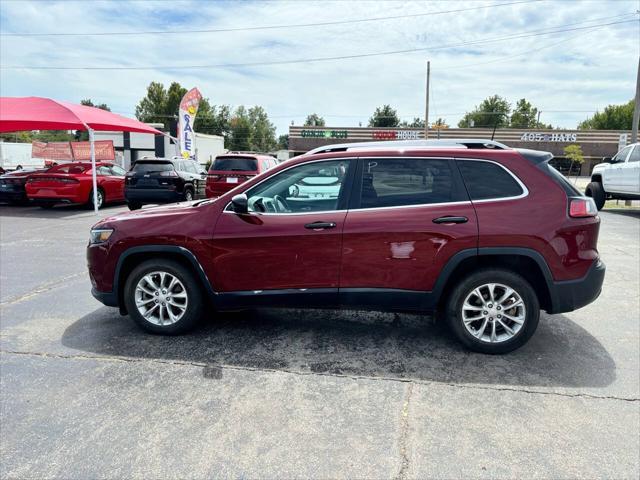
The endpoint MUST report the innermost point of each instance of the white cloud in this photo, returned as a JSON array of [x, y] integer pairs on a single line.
[[578, 71]]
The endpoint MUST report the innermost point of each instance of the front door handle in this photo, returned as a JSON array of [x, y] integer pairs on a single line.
[[450, 219], [320, 225]]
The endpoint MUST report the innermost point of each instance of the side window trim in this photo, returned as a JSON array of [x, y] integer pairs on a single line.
[[459, 191], [345, 190], [525, 190]]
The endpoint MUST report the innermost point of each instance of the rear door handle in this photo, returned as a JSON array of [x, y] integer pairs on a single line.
[[449, 219], [320, 225]]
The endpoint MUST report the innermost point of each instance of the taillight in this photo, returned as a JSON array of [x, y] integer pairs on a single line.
[[582, 207], [214, 177]]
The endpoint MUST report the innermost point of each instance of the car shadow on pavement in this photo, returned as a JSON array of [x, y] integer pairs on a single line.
[[367, 344]]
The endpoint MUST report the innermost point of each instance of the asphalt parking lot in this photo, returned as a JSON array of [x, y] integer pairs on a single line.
[[323, 394]]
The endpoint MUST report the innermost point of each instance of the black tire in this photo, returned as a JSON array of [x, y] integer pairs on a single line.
[[188, 194], [101, 199], [482, 277], [134, 205], [595, 191], [194, 302]]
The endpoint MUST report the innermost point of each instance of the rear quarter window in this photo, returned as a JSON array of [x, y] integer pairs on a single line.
[[487, 180]]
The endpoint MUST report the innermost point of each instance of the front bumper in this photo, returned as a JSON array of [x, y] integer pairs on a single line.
[[110, 299], [571, 295]]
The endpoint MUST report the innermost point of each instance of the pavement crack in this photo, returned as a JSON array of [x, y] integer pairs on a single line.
[[411, 381], [404, 435]]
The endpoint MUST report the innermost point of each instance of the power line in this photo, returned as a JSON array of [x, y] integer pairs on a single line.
[[268, 27], [316, 59]]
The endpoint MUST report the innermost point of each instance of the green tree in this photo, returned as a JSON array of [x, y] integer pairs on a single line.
[[153, 107], [240, 134], [173, 99], [314, 120], [415, 123], [614, 117], [574, 153], [213, 119], [524, 115], [263, 132], [492, 111], [283, 142], [384, 116]]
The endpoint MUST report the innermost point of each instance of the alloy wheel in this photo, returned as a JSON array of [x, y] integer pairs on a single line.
[[493, 312], [161, 298]]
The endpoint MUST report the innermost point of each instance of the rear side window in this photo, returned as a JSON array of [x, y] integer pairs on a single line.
[[486, 180], [151, 167], [635, 155], [239, 164], [397, 182]]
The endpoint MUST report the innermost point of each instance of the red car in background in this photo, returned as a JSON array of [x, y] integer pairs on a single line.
[[72, 183], [229, 170]]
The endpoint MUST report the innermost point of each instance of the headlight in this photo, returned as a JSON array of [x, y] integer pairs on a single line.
[[99, 235]]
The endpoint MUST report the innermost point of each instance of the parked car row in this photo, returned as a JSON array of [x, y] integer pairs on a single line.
[[149, 181]]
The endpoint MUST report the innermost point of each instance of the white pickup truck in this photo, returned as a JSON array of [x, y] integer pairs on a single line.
[[616, 178]]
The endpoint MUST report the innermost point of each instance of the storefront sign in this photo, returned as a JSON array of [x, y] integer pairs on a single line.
[[396, 134], [548, 137], [323, 133]]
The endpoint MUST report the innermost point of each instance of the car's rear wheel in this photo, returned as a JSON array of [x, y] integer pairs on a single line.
[[134, 205], [188, 194], [493, 311], [100, 197], [164, 297], [596, 191]]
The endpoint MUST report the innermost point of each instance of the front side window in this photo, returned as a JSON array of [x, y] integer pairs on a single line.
[[312, 187], [621, 156], [392, 182], [635, 155], [486, 180]]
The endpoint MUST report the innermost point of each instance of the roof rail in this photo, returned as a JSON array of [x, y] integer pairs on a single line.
[[474, 143]]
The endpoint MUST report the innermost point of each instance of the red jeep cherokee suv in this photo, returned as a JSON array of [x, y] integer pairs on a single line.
[[485, 234]]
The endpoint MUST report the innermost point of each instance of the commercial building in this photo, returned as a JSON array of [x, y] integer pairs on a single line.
[[595, 144]]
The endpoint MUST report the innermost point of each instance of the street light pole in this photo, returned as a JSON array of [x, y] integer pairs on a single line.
[[636, 109], [426, 109]]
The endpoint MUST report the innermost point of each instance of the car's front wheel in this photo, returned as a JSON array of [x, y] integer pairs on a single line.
[[493, 311], [162, 296]]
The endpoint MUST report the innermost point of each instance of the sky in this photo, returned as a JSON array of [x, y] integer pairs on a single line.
[[568, 58]]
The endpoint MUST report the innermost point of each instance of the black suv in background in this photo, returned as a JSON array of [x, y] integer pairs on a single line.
[[162, 180]]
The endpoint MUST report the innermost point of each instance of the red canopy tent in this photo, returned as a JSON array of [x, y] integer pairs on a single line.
[[37, 113]]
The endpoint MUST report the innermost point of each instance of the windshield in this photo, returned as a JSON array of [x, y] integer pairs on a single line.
[[240, 164], [148, 167]]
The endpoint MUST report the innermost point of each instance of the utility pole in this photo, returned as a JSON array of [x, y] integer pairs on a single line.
[[636, 109], [538, 121], [426, 107]]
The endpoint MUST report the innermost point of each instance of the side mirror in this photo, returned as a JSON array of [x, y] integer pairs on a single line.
[[240, 203]]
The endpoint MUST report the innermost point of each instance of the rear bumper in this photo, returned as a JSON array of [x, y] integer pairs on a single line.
[[152, 195], [573, 294], [13, 196], [110, 299]]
